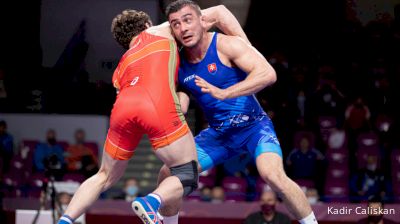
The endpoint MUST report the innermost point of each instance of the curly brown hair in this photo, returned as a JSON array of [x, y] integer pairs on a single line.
[[128, 24]]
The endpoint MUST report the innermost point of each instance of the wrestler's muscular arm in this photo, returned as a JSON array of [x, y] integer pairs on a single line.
[[220, 17], [235, 52]]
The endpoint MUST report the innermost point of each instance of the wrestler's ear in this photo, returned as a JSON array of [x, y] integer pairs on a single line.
[[148, 24]]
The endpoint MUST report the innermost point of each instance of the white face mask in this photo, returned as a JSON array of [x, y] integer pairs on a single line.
[[312, 200], [64, 207], [372, 167]]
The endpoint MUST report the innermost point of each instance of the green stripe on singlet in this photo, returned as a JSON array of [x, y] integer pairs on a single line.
[[171, 72]]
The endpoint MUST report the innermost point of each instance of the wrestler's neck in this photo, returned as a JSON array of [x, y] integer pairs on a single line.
[[197, 53], [133, 41]]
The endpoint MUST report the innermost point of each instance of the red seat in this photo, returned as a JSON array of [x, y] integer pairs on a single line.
[[235, 188], [337, 140], [63, 144], [30, 143], [194, 196], [367, 140], [93, 146], [205, 181], [338, 173], [337, 157], [75, 177], [326, 125], [305, 183], [336, 191]]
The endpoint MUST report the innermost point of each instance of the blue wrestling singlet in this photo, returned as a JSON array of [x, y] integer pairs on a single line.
[[237, 125]]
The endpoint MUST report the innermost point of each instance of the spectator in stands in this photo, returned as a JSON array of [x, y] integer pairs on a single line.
[[305, 161], [358, 116], [357, 120], [268, 214], [327, 100], [6, 146], [217, 194], [368, 181], [81, 158], [131, 189], [129, 192], [63, 199], [205, 194], [49, 156], [313, 196], [375, 203]]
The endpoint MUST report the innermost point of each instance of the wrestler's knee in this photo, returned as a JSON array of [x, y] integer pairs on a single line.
[[164, 173], [276, 178], [105, 179]]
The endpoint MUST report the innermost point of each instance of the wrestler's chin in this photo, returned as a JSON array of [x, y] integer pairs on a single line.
[[188, 43]]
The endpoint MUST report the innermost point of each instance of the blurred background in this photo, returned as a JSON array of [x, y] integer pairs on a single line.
[[334, 106]]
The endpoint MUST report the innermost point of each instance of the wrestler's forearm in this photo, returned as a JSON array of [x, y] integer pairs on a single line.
[[225, 21], [254, 83]]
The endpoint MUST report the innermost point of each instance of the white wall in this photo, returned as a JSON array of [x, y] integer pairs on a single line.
[[35, 126], [60, 20]]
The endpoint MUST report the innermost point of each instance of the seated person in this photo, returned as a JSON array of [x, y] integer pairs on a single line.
[[217, 194], [6, 146], [305, 161], [375, 203], [130, 191], [313, 196], [63, 199], [268, 214], [49, 155], [81, 158], [369, 181]]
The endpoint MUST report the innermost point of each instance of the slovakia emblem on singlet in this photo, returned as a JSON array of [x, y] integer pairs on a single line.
[[212, 68]]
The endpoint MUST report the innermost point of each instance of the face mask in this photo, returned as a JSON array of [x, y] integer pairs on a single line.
[[206, 198], [312, 200], [64, 207], [375, 218], [301, 98], [132, 190], [267, 209], [51, 141], [371, 167], [327, 98]]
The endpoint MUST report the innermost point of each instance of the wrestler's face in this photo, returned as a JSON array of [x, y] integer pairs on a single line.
[[186, 25]]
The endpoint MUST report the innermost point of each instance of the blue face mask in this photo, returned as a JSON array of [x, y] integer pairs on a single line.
[[132, 190]]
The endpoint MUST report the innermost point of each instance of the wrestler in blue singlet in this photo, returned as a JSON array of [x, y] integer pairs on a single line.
[[237, 125]]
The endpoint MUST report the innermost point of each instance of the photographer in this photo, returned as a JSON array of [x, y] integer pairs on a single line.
[[48, 157]]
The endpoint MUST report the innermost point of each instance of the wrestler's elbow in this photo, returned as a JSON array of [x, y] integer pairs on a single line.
[[221, 9], [269, 77], [184, 110]]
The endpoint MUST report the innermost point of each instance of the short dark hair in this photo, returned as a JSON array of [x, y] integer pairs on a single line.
[[375, 199], [129, 24], [179, 4]]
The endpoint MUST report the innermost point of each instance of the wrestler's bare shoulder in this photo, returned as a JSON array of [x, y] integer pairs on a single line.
[[163, 30]]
